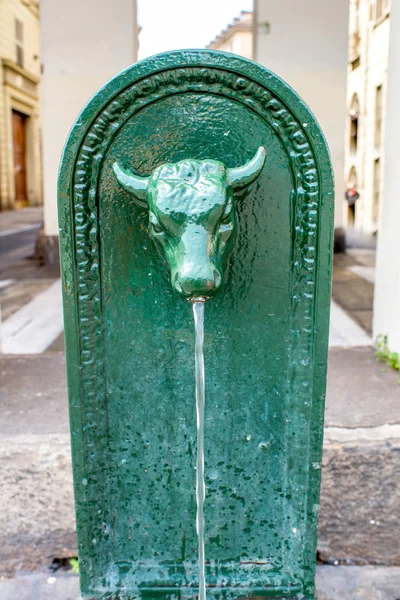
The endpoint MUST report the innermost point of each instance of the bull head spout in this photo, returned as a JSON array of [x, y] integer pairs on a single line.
[[192, 216]]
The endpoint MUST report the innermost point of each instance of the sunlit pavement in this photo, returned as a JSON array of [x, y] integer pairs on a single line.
[[37, 325]]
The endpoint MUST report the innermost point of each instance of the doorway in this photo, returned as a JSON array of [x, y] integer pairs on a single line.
[[19, 150]]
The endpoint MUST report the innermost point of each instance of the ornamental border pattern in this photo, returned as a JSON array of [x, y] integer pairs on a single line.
[[305, 213]]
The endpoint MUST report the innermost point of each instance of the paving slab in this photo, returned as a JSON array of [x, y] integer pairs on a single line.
[[23, 217], [35, 326], [365, 272], [359, 241], [37, 521], [333, 583], [40, 586], [358, 583], [361, 392], [363, 256], [361, 470], [16, 294], [360, 493], [24, 279], [352, 292], [344, 332], [33, 395]]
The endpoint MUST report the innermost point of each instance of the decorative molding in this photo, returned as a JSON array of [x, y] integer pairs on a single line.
[[305, 214], [10, 64]]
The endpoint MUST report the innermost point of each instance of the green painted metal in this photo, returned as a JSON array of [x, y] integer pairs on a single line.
[[130, 339], [192, 216]]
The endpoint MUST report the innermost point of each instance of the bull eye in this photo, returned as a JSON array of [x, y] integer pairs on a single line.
[[157, 227]]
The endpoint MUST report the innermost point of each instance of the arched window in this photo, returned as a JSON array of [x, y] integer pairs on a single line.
[[354, 114], [352, 178]]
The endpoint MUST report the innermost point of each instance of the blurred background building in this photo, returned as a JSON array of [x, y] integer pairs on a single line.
[[338, 55], [306, 44], [20, 144], [366, 100], [237, 37], [78, 55]]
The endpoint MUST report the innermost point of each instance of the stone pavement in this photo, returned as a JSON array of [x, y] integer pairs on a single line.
[[40, 585], [361, 470], [360, 491], [31, 301], [353, 287], [32, 314], [35, 326], [344, 332], [17, 219], [36, 502], [333, 583], [22, 277], [358, 583]]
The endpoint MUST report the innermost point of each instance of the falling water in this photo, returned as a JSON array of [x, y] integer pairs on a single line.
[[198, 312]]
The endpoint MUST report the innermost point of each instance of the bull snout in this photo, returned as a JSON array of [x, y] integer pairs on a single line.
[[194, 268], [197, 283]]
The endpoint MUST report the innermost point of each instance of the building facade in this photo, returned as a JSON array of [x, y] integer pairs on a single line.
[[369, 27], [306, 44], [20, 146], [79, 56], [237, 37]]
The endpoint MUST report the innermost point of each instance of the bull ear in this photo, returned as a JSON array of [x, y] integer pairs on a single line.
[[133, 184], [241, 177]]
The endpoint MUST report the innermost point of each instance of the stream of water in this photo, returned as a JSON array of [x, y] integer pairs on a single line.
[[198, 312]]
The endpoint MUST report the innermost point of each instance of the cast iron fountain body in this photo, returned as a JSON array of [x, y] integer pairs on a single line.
[[173, 149]]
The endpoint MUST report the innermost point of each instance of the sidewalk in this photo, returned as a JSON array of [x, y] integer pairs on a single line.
[[358, 521], [18, 219], [29, 296], [361, 471], [353, 285], [333, 583], [32, 310]]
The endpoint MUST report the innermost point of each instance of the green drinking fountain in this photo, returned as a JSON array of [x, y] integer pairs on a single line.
[[196, 189]]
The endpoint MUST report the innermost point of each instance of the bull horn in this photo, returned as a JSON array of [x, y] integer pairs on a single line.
[[131, 183], [241, 177]]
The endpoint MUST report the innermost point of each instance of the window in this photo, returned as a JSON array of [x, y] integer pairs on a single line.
[[376, 190], [378, 116], [352, 196], [354, 114], [378, 9], [19, 40], [354, 34], [352, 180]]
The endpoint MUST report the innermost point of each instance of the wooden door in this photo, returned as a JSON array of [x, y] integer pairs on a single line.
[[19, 146]]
